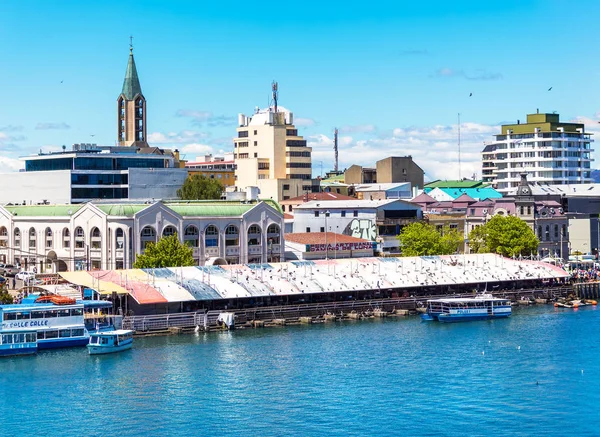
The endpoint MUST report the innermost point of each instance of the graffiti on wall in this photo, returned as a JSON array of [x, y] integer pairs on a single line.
[[361, 228]]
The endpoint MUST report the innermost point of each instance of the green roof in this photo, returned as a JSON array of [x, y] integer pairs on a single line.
[[454, 184], [216, 208], [121, 210], [336, 178], [42, 210], [131, 84]]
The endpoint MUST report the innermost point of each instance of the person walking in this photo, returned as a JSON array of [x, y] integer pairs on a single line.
[[14, 283]]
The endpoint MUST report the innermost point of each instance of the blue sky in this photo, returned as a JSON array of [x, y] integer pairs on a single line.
[[391, 75]]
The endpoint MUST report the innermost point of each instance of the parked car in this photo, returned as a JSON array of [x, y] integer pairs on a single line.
[[8, 270]]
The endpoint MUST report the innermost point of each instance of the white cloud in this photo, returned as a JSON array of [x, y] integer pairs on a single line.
[[10, 164], [433, 148], [48, 126], [200, 118], [476, 75], [304, 122], [186, 136], [195, 149]]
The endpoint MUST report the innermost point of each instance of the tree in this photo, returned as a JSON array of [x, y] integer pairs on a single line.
[[199, 187], [168, 252], [422, 238], [506, 235], [5, 296]]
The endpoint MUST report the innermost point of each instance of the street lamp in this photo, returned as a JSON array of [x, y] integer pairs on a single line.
[[326, 245]]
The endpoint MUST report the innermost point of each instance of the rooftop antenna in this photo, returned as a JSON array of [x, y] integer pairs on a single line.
[[459, 172], [131, 43], [275, 94], [335, 149]]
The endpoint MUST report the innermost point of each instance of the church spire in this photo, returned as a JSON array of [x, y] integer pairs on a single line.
[[131, 108]]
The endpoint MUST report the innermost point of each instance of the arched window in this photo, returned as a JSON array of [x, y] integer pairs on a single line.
[[274, 234], [522, 210], [190, 236], [3, 236], [254, 233], [232, 236], [540, 233], [556, 232], [564, 230], [211, 236], [49, 238], [32, 238], [66, 238], [119, 236], [529, 210], [168, 231], [547, 232], [79, 238], [17, 237], [148, 235], [96, 238]]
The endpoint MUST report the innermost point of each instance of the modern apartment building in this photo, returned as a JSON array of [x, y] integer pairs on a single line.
[[549, 151], [270, 155], [221, 168]]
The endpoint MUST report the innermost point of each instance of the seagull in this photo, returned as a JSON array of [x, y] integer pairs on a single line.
[[550, 89], [470, 94], [92, 135], [61, 81]]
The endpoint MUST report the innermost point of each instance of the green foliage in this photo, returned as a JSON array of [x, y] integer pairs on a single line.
[[5, 296], [168, 252], [199, 187], [506, 235], [420, 238]]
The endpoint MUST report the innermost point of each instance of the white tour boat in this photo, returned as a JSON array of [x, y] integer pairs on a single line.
[[106, 342]]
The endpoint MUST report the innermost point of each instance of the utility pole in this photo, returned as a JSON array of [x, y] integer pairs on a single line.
[[335, 149]]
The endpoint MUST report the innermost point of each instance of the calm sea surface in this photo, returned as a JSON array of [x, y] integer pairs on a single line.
[[537, 373]]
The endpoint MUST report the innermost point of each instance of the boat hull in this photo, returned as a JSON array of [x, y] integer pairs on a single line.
[[95, 349], [11, 352], [59, 343], [453, 318]]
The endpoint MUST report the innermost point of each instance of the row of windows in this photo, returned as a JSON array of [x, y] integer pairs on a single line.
[[95, 163], [99, 193], [292, 132], [298, 165], [99, 179], [46, 314], [342, 213], [300, 176], [298, 154], [18, 338], [62, 333], [95, 240], [241, 144], [295, 143]]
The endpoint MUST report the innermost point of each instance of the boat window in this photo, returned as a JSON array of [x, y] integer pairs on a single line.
[[23, 316], [51, 334], [64, 313], [19, 338], [65, 333], [76, 312], [41, 335], [30, 337], [93, 340], [10, 316], [50, 314], [76, 332], [7, 339], [37, 314], [104, 340]]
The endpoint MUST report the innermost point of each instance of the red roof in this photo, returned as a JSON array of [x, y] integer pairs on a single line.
[[319, 196], [319, 238]]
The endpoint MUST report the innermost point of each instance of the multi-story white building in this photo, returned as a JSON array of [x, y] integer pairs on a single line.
[[269, 154], [549, 151], [105, 236]]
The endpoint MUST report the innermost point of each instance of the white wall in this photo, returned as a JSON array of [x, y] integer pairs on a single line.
[[33, 188], [155, 183]]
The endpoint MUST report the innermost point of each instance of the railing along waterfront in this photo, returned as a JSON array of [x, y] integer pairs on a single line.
[[208, 319]]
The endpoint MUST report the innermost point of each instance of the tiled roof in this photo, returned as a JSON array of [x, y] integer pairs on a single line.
[[320, 196], [453, 184], [121, 210], [319, 238]]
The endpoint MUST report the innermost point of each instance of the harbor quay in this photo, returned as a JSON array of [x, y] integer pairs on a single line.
[[209, 297]]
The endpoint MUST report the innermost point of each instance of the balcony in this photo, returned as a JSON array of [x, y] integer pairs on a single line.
[[255, 250], [212, 251], [232, 251]]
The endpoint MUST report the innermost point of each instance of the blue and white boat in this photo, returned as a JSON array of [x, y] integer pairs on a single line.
[[18, 343], [56, 321], [107, 342], [480, 307]]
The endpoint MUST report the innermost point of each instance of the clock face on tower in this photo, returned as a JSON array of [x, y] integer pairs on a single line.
[[525, 190]]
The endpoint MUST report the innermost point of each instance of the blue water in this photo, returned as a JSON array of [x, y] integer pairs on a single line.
[[376, 377]]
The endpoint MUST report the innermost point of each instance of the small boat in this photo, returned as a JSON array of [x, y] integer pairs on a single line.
[[107, 342], [18, 343], [480, 307]]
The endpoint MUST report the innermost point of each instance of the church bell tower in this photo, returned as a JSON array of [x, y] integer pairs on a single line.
[[131, 109]]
